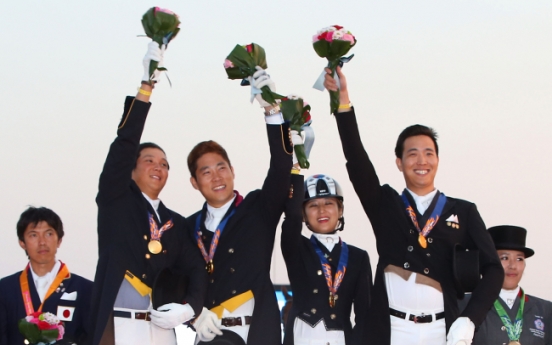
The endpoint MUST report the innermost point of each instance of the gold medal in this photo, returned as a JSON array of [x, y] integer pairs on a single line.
[[422, 241], [332, 300], [155, 246], [210, 267], [514, 342]]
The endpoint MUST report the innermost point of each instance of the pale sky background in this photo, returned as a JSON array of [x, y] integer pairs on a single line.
[[479, 72]]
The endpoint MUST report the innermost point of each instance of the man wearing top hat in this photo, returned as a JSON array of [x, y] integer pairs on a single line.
[[414, 299], [139, 237], [515, 318]]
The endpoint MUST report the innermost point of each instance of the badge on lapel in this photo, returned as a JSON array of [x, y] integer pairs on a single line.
[[65, 313], [452, 221]]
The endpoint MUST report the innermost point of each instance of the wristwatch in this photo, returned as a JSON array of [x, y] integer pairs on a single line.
[[275, 110]]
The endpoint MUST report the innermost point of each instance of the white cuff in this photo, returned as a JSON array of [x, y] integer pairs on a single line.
[[188, 312], [276, 119]]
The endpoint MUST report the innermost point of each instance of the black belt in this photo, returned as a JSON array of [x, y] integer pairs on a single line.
[[416, 319], [235, 321], [128, 315]]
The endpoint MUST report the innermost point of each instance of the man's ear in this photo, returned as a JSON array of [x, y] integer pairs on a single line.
[[193, 182], [22, 245], [398, 161], [59, 242]]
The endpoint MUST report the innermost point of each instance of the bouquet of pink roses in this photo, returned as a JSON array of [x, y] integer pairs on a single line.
[[41, 328], [161, 25], [297, 112], [333, 43], [241, 63]]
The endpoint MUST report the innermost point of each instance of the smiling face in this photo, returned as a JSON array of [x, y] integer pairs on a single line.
[[513, 262], [419, 164], [41, 243], [214, 178], [322, 215], [151, 172]]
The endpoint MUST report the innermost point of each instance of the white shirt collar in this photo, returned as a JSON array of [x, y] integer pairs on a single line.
[[509, 296], [153, 203], [215, 215], [43, 283], [328, 240], [422, 202]]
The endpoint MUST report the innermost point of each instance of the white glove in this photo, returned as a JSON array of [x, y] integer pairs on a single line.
[[156, 54], [257, 81], [461, 332], [168, 316], [207, 325], [296, 139]]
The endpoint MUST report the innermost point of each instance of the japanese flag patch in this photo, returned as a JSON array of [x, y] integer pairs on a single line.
[[65, 313]]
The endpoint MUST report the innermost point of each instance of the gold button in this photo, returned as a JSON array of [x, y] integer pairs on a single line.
[[313, 311], [231, 250], [144, 276], [426, 270], [319, 272], [147, 256], [146, 237], [428, 255], [233, 292], [315, 291], [332, 316], [232, 270]]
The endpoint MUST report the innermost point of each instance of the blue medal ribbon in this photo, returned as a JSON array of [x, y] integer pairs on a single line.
[[335, 282], [431, 222]]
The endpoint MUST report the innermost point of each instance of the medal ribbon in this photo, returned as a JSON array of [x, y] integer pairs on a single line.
[[25, 291], [217, 234], [513, 330], [433, 219], [155, 232], [333, 284]]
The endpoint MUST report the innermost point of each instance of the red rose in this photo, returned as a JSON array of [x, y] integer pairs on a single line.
[[306, 116], [36, 314], [338, 27], [43, 325], [249, 48]]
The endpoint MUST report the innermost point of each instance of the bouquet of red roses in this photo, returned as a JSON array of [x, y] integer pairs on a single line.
[[297, 112], [333, 43], [161, 25], [41, 328], [241, 63]]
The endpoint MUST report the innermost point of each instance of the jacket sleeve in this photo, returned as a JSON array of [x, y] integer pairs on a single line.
[[276, 185], [121, 158], [3, 317], [193, 266], [361, 302], [486, 292], [361, 171], [293, 221]]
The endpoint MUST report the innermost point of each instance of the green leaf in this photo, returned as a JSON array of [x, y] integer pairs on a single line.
[[339, 48], [301, 156], [29, 331], [259, 56], [158, 25], [322, 48]]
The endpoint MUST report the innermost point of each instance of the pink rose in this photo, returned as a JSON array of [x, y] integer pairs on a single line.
[[315, 38], [228, 64], [348, 37], [328, 36], [61, 332], [159, 9]]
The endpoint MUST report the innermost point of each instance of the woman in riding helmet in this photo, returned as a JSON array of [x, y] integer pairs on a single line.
[[327, 276]]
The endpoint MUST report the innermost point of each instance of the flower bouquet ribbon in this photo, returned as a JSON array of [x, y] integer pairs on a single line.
[[41, 328], [241, 63], [333, 43], [297, 112], [161, 25]]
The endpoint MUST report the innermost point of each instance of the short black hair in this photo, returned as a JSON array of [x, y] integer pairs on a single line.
[[34, 215], [148, 145], [413, 131]]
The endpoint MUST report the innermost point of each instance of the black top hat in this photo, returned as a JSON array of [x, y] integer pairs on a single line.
[[510, 237], [169, 287], [227, 338]]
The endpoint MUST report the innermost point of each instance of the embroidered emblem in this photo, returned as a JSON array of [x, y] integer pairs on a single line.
[[539, 324]]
